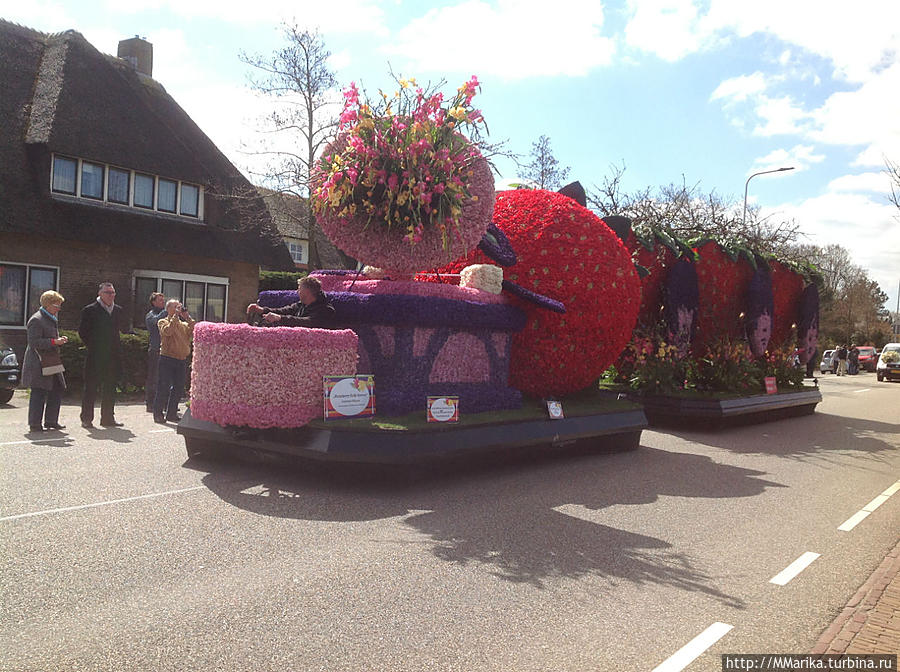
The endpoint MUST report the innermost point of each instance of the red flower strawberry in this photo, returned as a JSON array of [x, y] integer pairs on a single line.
[[787, 286], [723, 288], [657, 261], [567, 253]]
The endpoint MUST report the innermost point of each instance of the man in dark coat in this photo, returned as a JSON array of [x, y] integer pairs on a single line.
[[101, 322], [313, 310]]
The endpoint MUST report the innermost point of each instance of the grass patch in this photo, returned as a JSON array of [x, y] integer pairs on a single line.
[[588, 403]]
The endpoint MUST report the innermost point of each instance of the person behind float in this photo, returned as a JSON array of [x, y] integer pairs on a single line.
[[175, 331], [313, 309]]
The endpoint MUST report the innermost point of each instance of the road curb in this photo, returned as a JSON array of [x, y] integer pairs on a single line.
[[870, 621]]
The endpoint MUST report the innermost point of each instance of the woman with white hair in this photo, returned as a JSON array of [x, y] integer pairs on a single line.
[[42, 370]]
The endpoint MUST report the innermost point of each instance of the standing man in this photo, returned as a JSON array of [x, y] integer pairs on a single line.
[[101, 322], [842, 360], [157, 311], [175, 346]]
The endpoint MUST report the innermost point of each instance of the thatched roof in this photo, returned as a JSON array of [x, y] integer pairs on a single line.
[[59, 94]]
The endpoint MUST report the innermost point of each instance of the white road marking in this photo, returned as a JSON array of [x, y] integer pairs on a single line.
[[690, 651], [863, 513], [106, 503], [865, 389], [22, 443], [157, 431], [793, 569]]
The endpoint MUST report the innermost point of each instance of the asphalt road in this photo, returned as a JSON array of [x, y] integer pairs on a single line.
[[118, 554]]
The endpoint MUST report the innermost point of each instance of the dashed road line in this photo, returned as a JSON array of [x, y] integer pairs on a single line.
[[105, 503], [688, 653], [864, 512], [794, 569]]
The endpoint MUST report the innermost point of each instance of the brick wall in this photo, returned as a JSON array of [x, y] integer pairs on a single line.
[[82, 267]]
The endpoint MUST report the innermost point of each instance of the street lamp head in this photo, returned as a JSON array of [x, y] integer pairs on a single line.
[[782, 169]]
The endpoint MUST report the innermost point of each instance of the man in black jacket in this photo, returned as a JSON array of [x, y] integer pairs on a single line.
[[313, 310], [101, 322]]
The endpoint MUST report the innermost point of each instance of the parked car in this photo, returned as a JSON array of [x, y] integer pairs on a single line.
[[888, 367], [10, 373], [868, 360], [827, 365]]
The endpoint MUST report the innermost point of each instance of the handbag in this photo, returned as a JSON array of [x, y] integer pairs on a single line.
[[51, 362]]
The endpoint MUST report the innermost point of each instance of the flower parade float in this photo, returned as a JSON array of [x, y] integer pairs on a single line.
[[503, 301], [728, 320]]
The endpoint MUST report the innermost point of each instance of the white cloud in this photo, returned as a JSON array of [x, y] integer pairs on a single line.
[[667, 28], [874, 182], [505, 39], [867, 226], [779, 116], [800, 157], [353, 16], [738, 89]]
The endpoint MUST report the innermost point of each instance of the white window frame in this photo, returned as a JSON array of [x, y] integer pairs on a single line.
[[201, 190], [28, 266], [159, 276]]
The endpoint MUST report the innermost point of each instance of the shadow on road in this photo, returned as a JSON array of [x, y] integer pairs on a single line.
[[820, 435], [509, 517]]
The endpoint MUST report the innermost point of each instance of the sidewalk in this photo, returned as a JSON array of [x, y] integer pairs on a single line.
[[870, 623]]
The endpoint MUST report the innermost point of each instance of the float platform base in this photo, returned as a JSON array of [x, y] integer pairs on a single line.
[[714, 414], [364, 442]]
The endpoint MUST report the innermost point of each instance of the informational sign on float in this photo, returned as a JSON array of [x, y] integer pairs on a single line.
[[443, 409], [349, 396]]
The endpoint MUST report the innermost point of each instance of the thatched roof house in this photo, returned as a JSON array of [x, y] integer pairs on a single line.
[[103, 176]]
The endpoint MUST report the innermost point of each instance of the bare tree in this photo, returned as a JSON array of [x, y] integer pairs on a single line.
[[297, 76], [688, 212], [893, 172], [544, 168]]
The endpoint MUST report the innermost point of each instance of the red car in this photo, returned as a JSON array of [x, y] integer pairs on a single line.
[[867, 358]]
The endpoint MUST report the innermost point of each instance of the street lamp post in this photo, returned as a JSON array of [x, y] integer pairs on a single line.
[[747, 186]]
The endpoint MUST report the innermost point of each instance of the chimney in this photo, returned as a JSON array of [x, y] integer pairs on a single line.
[[137, 51]]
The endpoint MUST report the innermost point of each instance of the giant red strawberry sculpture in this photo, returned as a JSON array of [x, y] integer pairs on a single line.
[[657, 258], [566, 252]]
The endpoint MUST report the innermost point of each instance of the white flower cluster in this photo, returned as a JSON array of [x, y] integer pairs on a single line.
[[486, 277]]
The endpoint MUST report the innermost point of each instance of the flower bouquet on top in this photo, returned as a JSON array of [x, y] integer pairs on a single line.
[[401, 187]]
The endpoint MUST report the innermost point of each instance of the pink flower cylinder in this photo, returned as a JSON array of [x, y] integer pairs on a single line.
[[265, 377]]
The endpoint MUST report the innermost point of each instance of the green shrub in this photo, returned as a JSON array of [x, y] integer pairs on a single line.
[[271, 280]]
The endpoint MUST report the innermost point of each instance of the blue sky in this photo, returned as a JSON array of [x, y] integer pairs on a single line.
[[713, 90]]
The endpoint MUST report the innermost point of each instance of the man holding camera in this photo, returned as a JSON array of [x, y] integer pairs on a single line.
[[175, 331]]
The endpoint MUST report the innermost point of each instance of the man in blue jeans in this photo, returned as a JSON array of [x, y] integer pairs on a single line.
[[175, 331]]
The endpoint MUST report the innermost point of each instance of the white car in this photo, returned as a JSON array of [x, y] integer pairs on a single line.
[[826, 365], [888, 367]]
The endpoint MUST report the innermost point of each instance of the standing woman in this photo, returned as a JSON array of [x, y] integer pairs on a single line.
[[43, 354]]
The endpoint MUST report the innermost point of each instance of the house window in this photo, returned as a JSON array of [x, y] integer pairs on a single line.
[[21, 286], [64, 171], [172, 289], [12, 295], [143, 288], [215, 302], [143, 190], [167, 193], [190, 197], [118, 187], [40, 280], [92, 180], [194, 298], [297, 249], [204, 296]]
